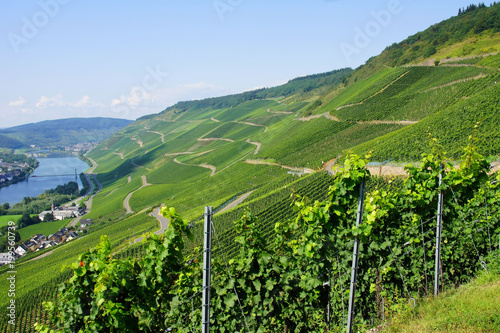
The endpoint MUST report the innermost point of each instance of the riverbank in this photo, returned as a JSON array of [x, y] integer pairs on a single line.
[[15, 168]]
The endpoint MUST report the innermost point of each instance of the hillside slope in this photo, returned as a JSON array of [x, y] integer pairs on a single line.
[[210, 152], [202, 152]]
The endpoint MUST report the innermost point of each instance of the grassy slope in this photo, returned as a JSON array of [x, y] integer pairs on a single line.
[[471, 308], [44, 228], [4, 219]]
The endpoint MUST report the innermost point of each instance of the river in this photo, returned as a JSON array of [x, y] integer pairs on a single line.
[[52, 167]]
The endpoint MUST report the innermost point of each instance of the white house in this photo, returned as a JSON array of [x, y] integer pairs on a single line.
[[21, 250], [59, 214]]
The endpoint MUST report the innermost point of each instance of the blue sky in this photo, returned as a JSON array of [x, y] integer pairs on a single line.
[[128, 58]]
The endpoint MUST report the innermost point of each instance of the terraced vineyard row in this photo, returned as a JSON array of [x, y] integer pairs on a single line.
[[271, 209], [479, 104], [386, 104], [29, 308]]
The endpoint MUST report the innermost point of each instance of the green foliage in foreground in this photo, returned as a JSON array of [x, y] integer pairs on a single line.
[[280, 285], [38, 274]]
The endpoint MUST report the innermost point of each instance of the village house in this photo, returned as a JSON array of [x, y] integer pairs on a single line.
[[85, 223], [31, 245], [40, 242], [71, 235], [58, 237], [46, 244], [21, 250], [62, 213], [38, 238]]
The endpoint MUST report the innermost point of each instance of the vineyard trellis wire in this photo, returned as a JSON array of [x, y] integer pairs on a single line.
[[398, 252]]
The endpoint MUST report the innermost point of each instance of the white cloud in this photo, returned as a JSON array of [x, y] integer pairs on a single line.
[[139, 97], [138, 102], [45, 101], [20, 102], [58, 101], [86, 102], [136, 97]]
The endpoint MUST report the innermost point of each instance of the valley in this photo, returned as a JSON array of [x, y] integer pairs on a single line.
[[253, 151]]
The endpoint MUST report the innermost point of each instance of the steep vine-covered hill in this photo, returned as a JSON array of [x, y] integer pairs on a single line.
[[210, 150], [253, 145], [61, 132]]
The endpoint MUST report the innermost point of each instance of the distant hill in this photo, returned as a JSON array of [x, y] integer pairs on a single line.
[[6, 142], [61, 132]]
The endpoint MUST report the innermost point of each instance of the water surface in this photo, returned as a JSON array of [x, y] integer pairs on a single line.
[[54, 168]]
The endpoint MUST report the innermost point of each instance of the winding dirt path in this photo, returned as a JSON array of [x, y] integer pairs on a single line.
[[445, 62], [235, 202], [390, 170], [328, 116], [454, 82], [304, 170], [315, 116], [126, 202], [206, 166], [214, 139], [177, 154], [42, 256], [396, 122], [213, 119], [164, 222], [210, 167], [160, 134], [120, 154], [279, 112], [258, 144], [144, 181], [252, 124], [138, 141]]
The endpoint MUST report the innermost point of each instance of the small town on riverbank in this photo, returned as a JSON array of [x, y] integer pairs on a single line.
[[14, 168], [35, 210]]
